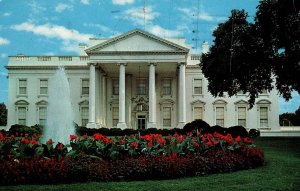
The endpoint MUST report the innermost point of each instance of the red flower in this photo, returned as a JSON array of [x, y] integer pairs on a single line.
[[209, 144], [122, 141], [105, 140], [111, 141], [85, 136], [133, 145], [238, 139], [24, 140], [247, 140], [196, 145], [150, 144], [34, 142], [73, 137], [59, 146], [49, 142], [98, 136]]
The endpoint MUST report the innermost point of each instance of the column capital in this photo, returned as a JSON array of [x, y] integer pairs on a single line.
[[181, 63], [122, 63], [92, 63], [152, 63]]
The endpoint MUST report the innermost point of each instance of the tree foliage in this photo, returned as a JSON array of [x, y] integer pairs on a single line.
[[3, 114], [246, 56], [290, 119]]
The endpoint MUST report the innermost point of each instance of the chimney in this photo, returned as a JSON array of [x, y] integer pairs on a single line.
[[205, 47]]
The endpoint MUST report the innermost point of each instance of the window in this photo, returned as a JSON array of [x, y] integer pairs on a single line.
[[84, 116], [264, 91], [197, 113], [166, 116], [22, 115], [115, 87], [166, 86], [43, 86], [220, 116], [197, 86], [23, 86], [42, 116], [141, 87], [85, 87], [263, 116], [115, 116], [242, 116]]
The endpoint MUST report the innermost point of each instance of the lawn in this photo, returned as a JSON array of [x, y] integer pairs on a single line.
[[282, 172]]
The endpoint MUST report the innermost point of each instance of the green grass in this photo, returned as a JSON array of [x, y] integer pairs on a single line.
[[282, 172]]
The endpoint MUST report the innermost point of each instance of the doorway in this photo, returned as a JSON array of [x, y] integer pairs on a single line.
[[141, 121]]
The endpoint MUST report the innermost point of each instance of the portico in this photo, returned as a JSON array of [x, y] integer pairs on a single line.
[[137, 70]]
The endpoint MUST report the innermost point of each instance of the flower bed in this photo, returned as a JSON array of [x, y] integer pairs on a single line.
[[98, 158]]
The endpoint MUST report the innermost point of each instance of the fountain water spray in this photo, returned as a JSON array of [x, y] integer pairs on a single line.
[[59, 124]]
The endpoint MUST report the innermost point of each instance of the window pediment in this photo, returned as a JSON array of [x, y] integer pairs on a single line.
[[21, 102], [199, 102], [84, 102], [263, 101], [220, 101], [42, 102]]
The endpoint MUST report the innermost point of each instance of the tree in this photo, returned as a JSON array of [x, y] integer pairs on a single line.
[[290, 119], [3, 114], [246, 56]]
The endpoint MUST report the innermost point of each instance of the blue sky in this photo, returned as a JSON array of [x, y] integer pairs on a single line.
[[51, 27]]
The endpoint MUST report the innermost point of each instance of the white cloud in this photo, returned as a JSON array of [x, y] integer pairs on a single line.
[[102, 28], [138, 17], [69, 46], [7, 14], [85, 2], [61, 7], [122, 2], [3, 55], [3, 74], [53, 31], [191, 13], [4, 41], [160, 31]]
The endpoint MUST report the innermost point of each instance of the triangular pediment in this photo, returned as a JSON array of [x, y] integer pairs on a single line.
[[136, 41]]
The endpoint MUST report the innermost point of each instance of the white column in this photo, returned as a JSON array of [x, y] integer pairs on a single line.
[[152, 97], [181, 97], [92, 94], [122, 124]]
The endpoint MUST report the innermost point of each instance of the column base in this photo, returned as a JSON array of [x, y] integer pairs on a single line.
[[180, 125], [151, 125], [93, 126], [121, 125]]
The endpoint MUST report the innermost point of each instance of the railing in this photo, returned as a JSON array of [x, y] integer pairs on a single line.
[[44, 58], [33, 59], [65, 58], [195, 57]]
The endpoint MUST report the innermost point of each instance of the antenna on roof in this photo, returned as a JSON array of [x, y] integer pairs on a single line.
[[196, 31], [145, 12]]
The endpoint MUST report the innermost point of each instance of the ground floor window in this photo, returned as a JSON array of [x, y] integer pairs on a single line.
[[198, 113], [263, 116], [22, 115], [220, 116], [242, 116], [115, 116], [166, 116], [42, 115], [84, 116]]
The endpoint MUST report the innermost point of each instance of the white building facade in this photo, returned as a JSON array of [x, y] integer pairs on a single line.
[[135, 80]]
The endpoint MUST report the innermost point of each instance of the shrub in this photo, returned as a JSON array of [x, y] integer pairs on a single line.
[[237, 131], [216, 128], [254, 133], [195, 125], [21, 130]]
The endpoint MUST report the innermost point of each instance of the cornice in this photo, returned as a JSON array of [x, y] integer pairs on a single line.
[[138, 53], [45, 67]]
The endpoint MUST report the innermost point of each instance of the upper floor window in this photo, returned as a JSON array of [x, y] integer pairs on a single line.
[[141, 87], [166, 86], [22, 86], [85, 84], [43, 86], [197, 86], [115, 87]]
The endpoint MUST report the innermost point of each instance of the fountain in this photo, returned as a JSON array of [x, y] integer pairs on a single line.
[[59, 124]]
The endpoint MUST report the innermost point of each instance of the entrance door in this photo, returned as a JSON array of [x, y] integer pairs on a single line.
[[141, 121]]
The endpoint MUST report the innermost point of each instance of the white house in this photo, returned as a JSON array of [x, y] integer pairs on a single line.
[[135, 80]]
